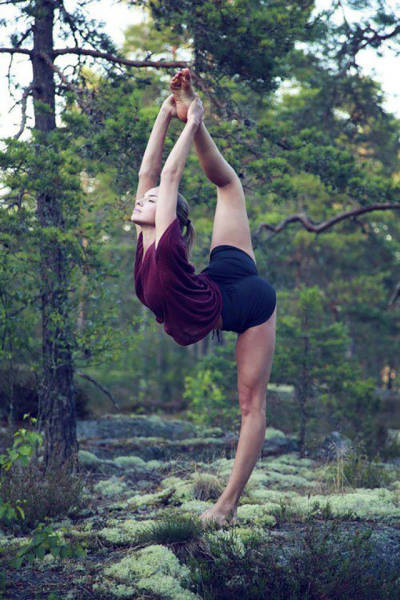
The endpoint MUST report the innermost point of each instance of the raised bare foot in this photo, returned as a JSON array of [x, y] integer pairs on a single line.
[[219, 516], [181, 88]]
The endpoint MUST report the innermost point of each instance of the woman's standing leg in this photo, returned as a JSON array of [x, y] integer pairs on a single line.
[[254, 355]]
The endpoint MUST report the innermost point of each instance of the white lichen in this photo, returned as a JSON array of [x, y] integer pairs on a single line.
[[123, 531], [110, 487], [155, 569]]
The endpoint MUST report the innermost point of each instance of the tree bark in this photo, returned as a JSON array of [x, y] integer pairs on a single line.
[[57, 416]]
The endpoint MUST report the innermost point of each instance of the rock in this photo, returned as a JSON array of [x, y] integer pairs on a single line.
[[276, 442], [335, 445], [121, 426]]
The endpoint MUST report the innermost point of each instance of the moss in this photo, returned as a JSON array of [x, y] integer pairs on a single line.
[[157, 464], [285, 480], [197, 506], [110, 487], [223, 466], [140, 500], [291, 458], [266, 496], [124, 531], [119, 590], [183, 489], [248, 533], [131, 462], [228, 535], [255, 512], [377, 503], [271, 432], [154, 569], [88, 459]]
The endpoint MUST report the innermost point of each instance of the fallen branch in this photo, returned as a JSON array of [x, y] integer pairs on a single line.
[[101, 388]]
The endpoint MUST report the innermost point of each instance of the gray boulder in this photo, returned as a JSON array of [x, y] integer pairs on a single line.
[[335, 445]]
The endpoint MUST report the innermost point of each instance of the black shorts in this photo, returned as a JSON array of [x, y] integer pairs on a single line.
[[247, 298]]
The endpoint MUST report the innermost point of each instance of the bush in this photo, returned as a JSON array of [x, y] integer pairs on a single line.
[[40, 494], [211, 391], [28, 492], [323, 560]]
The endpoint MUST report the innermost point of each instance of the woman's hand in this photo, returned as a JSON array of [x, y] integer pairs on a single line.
[[169, 106], [196, 111]]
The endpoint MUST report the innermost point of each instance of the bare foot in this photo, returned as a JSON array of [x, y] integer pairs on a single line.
[[181, 88], [219, 516]]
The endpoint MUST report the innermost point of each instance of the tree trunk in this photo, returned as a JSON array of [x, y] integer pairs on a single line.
[[57, 417]]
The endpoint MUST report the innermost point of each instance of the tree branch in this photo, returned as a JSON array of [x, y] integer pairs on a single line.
[[395, 295], [101, 388], [24, 99], [17, 51], [121, 60], [320, 227], [160, 64], [61, 75]]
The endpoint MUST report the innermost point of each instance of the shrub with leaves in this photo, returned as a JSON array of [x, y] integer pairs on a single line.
[[211, 390]]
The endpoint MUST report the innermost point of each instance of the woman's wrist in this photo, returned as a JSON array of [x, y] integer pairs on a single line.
[[194, 122], [166, 112]]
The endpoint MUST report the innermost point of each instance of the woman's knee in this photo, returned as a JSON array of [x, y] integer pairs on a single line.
[[252, 402]]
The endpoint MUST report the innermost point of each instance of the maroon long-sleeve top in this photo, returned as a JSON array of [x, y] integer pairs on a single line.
[[188, 304]]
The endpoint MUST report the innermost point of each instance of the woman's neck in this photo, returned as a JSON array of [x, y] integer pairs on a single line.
[[149, 235]]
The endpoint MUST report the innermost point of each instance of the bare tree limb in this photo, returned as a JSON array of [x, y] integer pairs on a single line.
[[394, 296], [61, 75], [101, 388], [121, 60], [320, 227], [160, 64], [14, 200], [17, 51], [24, 99]]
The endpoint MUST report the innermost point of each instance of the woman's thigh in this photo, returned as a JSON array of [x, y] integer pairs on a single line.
[[231, 223], [254, 355]]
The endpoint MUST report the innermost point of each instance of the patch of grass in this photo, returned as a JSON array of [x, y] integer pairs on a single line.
[[358, 471], [207, 487], [171, 530]]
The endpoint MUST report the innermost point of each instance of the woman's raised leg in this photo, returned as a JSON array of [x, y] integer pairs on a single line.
[[231, 224]]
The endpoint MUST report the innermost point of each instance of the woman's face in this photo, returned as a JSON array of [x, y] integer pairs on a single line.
[[144, 212]]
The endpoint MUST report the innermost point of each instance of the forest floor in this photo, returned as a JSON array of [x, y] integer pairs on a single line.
[[303, 530]]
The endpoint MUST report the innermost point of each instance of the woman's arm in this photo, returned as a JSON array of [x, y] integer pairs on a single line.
[[150, 167], [173, 169]]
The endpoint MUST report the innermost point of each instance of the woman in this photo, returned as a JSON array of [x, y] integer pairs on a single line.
[[228, 294]]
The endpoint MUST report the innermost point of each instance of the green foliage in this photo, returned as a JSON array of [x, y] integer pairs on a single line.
[[357, 470], [210, 390], [323, 144], [18, 504], [46, 540], [22, 449], [21, 452], [28, 494], [325, 560], [244, 38]]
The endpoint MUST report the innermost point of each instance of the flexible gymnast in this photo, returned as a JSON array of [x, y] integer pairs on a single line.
[[228, 294]]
